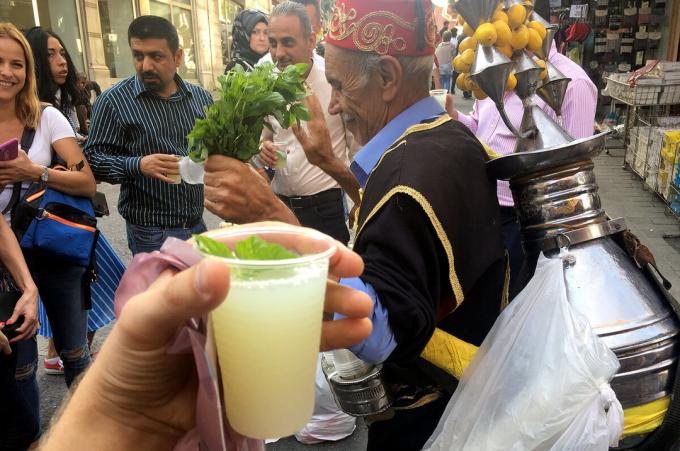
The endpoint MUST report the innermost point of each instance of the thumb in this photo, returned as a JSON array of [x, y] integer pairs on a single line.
[[301, 136], [152, 318]]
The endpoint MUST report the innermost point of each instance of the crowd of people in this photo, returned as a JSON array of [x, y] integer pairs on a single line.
[[431, 229]]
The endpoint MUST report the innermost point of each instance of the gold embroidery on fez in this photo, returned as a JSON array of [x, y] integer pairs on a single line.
[[369, 36]]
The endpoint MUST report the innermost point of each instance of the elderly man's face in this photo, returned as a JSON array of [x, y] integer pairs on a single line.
[[360, 103]]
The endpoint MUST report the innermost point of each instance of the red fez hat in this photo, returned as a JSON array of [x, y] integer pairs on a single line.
[[385, 27]]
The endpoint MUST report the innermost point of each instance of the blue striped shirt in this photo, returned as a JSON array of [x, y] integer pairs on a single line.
[[128, 123]]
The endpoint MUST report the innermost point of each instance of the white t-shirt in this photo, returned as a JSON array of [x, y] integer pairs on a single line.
[[53, 127], [300, 177]]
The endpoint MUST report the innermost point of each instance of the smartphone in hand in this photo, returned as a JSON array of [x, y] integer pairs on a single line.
[[9, 150]]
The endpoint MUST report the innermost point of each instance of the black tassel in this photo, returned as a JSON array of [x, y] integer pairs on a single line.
[[421, 26]]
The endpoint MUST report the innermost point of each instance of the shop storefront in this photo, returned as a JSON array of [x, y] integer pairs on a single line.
[[95, 32]]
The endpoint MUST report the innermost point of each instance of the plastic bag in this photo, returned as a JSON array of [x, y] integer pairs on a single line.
[[329, 422], [538, 382]]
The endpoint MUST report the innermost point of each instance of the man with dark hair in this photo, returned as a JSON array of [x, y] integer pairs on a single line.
[[150, 27], [138, 133]]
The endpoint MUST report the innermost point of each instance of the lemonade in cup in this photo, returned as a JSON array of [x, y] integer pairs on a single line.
[[440, 95], [267, 331], [281, 155]]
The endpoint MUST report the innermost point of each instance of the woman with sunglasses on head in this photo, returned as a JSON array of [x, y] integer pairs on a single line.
[[58, 282]]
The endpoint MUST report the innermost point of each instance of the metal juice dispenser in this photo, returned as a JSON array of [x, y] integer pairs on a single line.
[[558, 205]]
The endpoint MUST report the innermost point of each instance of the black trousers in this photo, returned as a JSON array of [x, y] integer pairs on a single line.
[[408, 430], [324, 211], [512, 239]]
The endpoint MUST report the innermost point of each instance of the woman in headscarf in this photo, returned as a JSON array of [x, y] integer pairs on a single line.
[[249, 39]]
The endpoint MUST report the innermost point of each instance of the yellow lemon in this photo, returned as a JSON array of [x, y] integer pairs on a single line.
[[461, 82], [506, 50], [467, 43], [469, 84], [503, 33], [538, 27], [460, 66], [512, 82], [468, 56], [517, 14], [542, 65], [460, 20], [486, 34], [499, 15], [478, 93], [467, 29], [535, 41], [520, 37]]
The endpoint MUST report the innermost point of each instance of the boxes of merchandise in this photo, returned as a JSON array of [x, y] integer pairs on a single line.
[[654, 145], [669, 172], [646, 93], [641, 143]]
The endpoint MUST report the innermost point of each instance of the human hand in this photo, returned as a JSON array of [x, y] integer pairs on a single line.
[[235, 192], [19, 170], [451, 107], [160, 166], [27, 305], [316, 141], [137, 393], [268, 154], [4, 344]]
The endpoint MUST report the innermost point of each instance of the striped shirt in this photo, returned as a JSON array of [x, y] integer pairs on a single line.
[[128, 123], [578, 115]]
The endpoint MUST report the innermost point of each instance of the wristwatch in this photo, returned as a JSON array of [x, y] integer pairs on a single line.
[[44, 175]]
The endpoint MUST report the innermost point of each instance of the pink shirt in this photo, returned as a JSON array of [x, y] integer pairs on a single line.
[[578, 115]]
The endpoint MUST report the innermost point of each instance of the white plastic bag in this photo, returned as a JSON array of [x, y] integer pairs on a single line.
[[538, 382], [329, 422]]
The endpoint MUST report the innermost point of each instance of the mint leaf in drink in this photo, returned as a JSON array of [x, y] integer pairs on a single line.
[[234, 123], [212, 247], [255, 248], [252, 248]]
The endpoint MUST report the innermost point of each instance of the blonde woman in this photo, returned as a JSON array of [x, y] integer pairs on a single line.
[[60, 283]]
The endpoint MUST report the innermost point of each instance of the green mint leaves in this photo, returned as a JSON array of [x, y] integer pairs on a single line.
[[234, 123], [252, 248]]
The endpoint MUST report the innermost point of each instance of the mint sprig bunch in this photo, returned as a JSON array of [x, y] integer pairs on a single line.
[[233, 124], [252, 248]]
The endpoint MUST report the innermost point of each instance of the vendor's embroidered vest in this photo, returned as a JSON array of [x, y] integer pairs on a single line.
[[440, 165]]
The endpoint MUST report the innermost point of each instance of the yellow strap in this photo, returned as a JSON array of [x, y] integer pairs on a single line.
[[490, 152], [449, 353], [454, 355], [645, 418]]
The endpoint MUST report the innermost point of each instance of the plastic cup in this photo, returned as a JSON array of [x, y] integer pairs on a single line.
[[440, 95], [176, 178], [281, 155], [267, 332]]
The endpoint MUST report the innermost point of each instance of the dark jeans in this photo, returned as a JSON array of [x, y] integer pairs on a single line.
[[61, 289], [408, 430], [151, 238], [324, 211], [19, 405]]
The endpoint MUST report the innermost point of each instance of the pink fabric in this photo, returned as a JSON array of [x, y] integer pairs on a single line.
[[578, 115], [212, 432]]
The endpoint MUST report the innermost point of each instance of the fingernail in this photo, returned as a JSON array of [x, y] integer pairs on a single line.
[[201, 282]]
